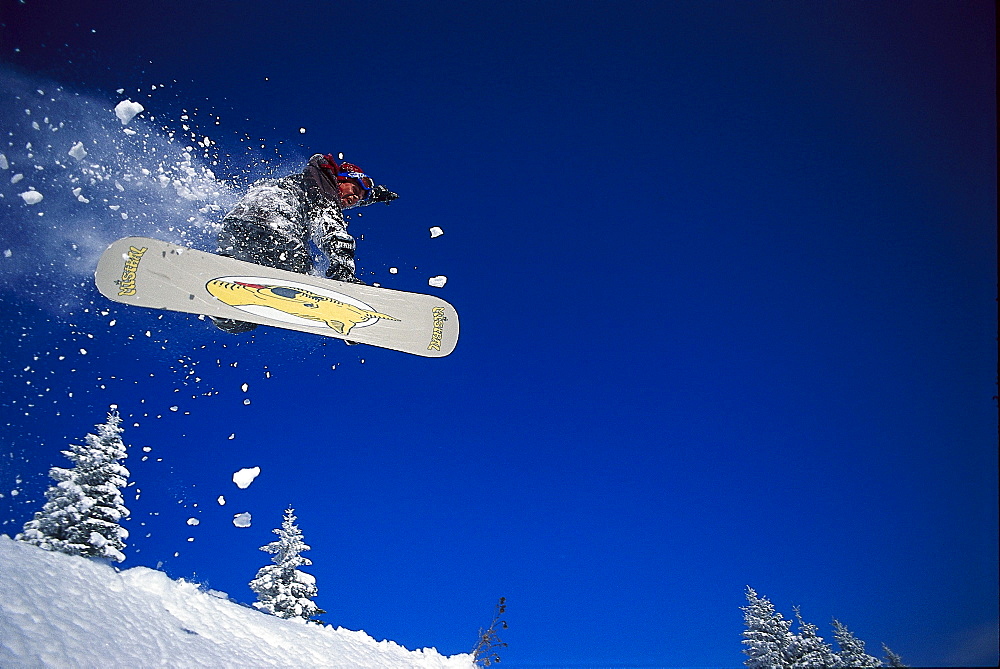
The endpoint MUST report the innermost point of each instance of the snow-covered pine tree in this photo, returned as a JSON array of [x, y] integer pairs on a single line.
[[852, 650], [84, 507], [808, 650], [892, 659], [282, 589], [768, 636]]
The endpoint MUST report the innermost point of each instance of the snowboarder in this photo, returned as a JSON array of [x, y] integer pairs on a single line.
[[272, 224]]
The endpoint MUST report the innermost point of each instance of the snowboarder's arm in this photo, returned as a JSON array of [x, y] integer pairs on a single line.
[[331, 236]]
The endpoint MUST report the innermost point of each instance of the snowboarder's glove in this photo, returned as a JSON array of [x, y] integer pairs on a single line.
[[382, 194]]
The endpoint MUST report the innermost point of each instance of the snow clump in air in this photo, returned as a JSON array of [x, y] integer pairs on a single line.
[[242, 519], [100, 181], [437, 281], [126, 110], [31, 197], [436, 232], [244, 477], [78, 151]]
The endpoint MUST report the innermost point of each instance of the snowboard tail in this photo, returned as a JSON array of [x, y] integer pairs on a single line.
[[151, 273]]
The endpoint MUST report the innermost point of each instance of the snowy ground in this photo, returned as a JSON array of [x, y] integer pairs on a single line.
[[63, 611]]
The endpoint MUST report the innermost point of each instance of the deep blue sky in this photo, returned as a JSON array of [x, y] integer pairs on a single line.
[[727, 280]]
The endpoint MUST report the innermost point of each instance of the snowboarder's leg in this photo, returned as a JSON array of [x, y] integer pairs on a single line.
[[266, 227]]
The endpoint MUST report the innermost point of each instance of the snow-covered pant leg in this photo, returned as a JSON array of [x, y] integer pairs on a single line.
[[268, 227]]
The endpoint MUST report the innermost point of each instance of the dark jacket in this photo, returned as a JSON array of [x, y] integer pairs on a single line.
[[273, 223]]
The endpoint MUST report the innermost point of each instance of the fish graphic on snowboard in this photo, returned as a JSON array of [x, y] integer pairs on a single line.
[[338, 315]]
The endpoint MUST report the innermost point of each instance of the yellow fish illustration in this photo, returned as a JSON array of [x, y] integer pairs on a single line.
[[294, 301]]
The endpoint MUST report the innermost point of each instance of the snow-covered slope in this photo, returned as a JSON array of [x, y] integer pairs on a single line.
[[62, 611]]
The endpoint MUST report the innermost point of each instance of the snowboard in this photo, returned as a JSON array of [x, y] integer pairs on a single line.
[[146, 272]]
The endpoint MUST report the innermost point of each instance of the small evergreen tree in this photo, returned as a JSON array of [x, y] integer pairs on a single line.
[[768, 636], [85, 506], [808, 650], [892, 659], [282, 589], [485, 652], [852, 650]]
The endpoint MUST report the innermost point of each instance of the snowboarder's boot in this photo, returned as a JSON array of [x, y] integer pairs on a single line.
[[231, 326]]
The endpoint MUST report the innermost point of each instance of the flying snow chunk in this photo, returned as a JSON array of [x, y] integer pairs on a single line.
[[126, 110], [3, 162], [242, 519], [78, 151], [302, 131], [436, 232], [221, 500], [31, 197], [437, 281], [244, 477], [193, 521]]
